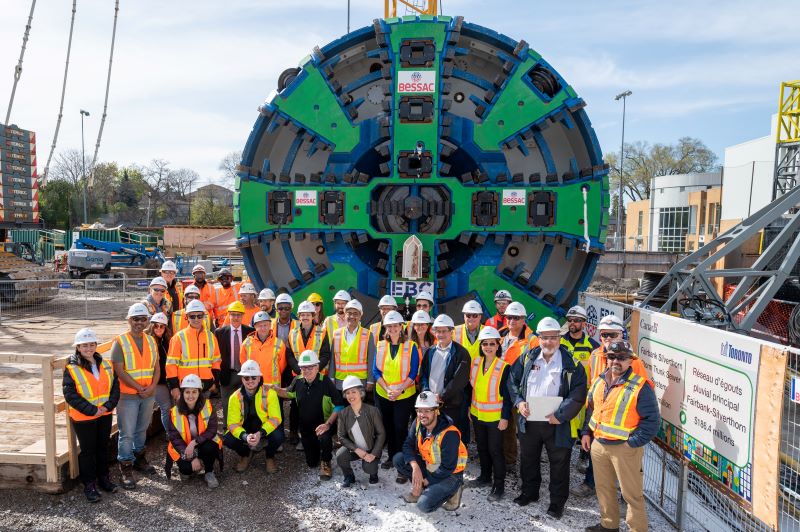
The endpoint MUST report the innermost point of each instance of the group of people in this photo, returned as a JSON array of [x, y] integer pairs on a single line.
[[419, 388]]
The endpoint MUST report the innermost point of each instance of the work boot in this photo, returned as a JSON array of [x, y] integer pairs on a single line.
[[211, 480], [348, 481], [410, 498], [244, 461], [90, 490], [185, 478], [141, 464], [582, 490], [271, 467], [454, 501], [294, 439], [325, 470], [479, 482], [299, 446], [106, 485], [496, 493], [373, 479], [600, 528], [126, 470], [387, 464]]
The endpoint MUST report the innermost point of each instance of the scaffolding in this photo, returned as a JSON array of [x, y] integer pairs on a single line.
[[787, 141], [412, 7]]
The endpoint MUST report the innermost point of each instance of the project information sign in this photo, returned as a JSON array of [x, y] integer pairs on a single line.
[[706, 383]]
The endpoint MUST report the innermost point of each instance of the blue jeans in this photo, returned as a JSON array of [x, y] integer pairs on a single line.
[[434, 495], [133, 418], [164, 401]]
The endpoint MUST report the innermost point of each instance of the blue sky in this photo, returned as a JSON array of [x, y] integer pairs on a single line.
[[189, 75]]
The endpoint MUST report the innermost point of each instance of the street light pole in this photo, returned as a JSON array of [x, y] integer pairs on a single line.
[[623, 96], [83, 164]]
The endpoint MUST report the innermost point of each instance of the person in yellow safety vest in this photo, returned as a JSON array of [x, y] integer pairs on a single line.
[[282, 326], [306, 337], [433, 457], [91, 391], [208, 294], [247, 298], [337, 319], [193, 350], [156, 300], [397, 361], [580, 345], [490, 409], [192, 440], [353, 349], [386, 304], [424, 301], [502, 298], [134, 356], [319, 313], [467, 333], [266, 301], [254, 419], [622, 417], [174, 287], [179, 320], [272, 354], [226, 293]]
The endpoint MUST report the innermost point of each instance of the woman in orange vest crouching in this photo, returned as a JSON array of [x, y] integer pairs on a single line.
[[491, 409], [92, 391], [192, 432]]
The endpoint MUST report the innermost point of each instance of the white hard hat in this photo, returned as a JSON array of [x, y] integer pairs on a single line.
[[515, 308], [191, 289], [421, 316], [159, 317], [308, 358], [138, 309], [247, 288], [261, 316], [85, 336], [502, 294], [250, 368], [351, 381], [199, 268], [192, 381], [426, 400], [158, 281], [443, 320], [487, 333], [577, 312], [306, 306], [610, 322], [342, 295], [195, 306], [266, 293], [387, 301], [354, 304], [284, 298], [548, 324], [393, 318], [169, 266], [424, 295], [472, 307]]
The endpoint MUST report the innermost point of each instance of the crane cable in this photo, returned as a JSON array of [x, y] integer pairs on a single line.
[[63, 90], [105, 103], [18, 68]]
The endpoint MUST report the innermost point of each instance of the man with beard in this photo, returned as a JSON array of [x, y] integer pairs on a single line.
[[227, 293], [266, 301], [208, 295], [337, 320], [502, 298]]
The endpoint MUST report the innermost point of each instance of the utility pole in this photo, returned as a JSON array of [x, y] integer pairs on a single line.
[[83, 164], [619, 233]]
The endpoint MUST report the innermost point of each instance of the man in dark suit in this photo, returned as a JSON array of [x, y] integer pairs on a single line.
[[230, 338]]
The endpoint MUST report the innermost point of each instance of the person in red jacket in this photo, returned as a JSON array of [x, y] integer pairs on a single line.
[[502, 298]]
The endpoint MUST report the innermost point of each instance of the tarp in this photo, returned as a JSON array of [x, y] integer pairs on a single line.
[[222, 242]]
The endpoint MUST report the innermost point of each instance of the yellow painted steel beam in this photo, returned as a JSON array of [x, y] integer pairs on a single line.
[[428, 7], [789, 113]]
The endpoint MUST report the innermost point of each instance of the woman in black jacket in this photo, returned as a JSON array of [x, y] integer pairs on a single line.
[[91, 391], [160, 330]]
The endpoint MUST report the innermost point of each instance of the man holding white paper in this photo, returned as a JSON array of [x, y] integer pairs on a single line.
[[548, 389]]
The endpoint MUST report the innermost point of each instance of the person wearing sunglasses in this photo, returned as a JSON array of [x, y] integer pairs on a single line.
[[134, 356], [156, 300], [502, 298], [179, 320], [208, 294], [174, 293], [319, 313], [622, 417], [193, 350], [467, 333], [424, 301], [159, 330]]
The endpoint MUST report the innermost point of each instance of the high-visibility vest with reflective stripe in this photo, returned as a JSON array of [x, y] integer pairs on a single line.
[[351, 359], [268, 410], [460, 336], [193, 352], [95, 391], [292, 326], [181, 423], [224, 297], [332, 323], [487, 397], [395, 370], [614, 414], [598, 363], [208, 295], [178, 292], [430, 449], [314, 342], [179, 320], [497, 321], [512, 351], [270, 355], [140, 366], [375, 329], [152, 309], [581, 353]]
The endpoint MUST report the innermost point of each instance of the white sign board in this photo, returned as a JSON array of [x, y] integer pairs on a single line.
[[515, 196], [597, 309], [409, 288], [416, 81], [305, 198]]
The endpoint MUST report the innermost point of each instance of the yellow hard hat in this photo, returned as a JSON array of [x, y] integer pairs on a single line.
[[314, 298], [236, 306]]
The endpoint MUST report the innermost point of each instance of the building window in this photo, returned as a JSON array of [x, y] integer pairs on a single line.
[[672, 228], [692, 219], [714, 215], [640, 223]]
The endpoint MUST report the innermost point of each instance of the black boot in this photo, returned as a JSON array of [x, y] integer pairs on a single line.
[[141, 464], [348, 481], [106, 485], [497, 492], [126, 470], [90, 490]]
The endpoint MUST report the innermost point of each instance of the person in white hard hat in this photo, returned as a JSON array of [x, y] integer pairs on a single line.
[[353, 349], [502, 298], [361, 431], [266, 300], [274, 356], [547, 371], [254, 418], [517, 338], [490, 410], [433, 457], [174, 287], [226, 293], [424, 301], [467, 333], [208, 294], [286, 321], [179, 320], [91, 391], [396, 366], [193, 350], [134, 356], [156, 300], [421, 333], [318, 403], [230, 338], [159, 330], [192, 441], [337, 319], [247, 300], [386, 304], [445, 372]]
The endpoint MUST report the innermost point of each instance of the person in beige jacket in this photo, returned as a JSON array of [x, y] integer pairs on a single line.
[[361, 432]]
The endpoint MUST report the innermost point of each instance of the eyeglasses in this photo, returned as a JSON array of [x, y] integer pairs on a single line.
[[472, 316], [139, 319], [250, 378], [192, 296], [159, 326], [575, 320], [515, 318], [317, 304], [609, 335], [195, 316], [159, 290], [284, 309], [621, 358], [163, 273]]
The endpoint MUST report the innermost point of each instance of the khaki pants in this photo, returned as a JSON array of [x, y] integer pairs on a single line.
[[621, 463]]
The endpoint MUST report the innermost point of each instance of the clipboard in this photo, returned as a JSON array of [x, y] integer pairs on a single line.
[[541, 407]]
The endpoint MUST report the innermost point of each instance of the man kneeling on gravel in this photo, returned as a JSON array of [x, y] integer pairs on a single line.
[[433, 457], [254, 413]]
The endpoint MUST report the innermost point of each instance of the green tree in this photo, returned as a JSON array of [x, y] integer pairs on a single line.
[[207, 212], [56, 204]]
